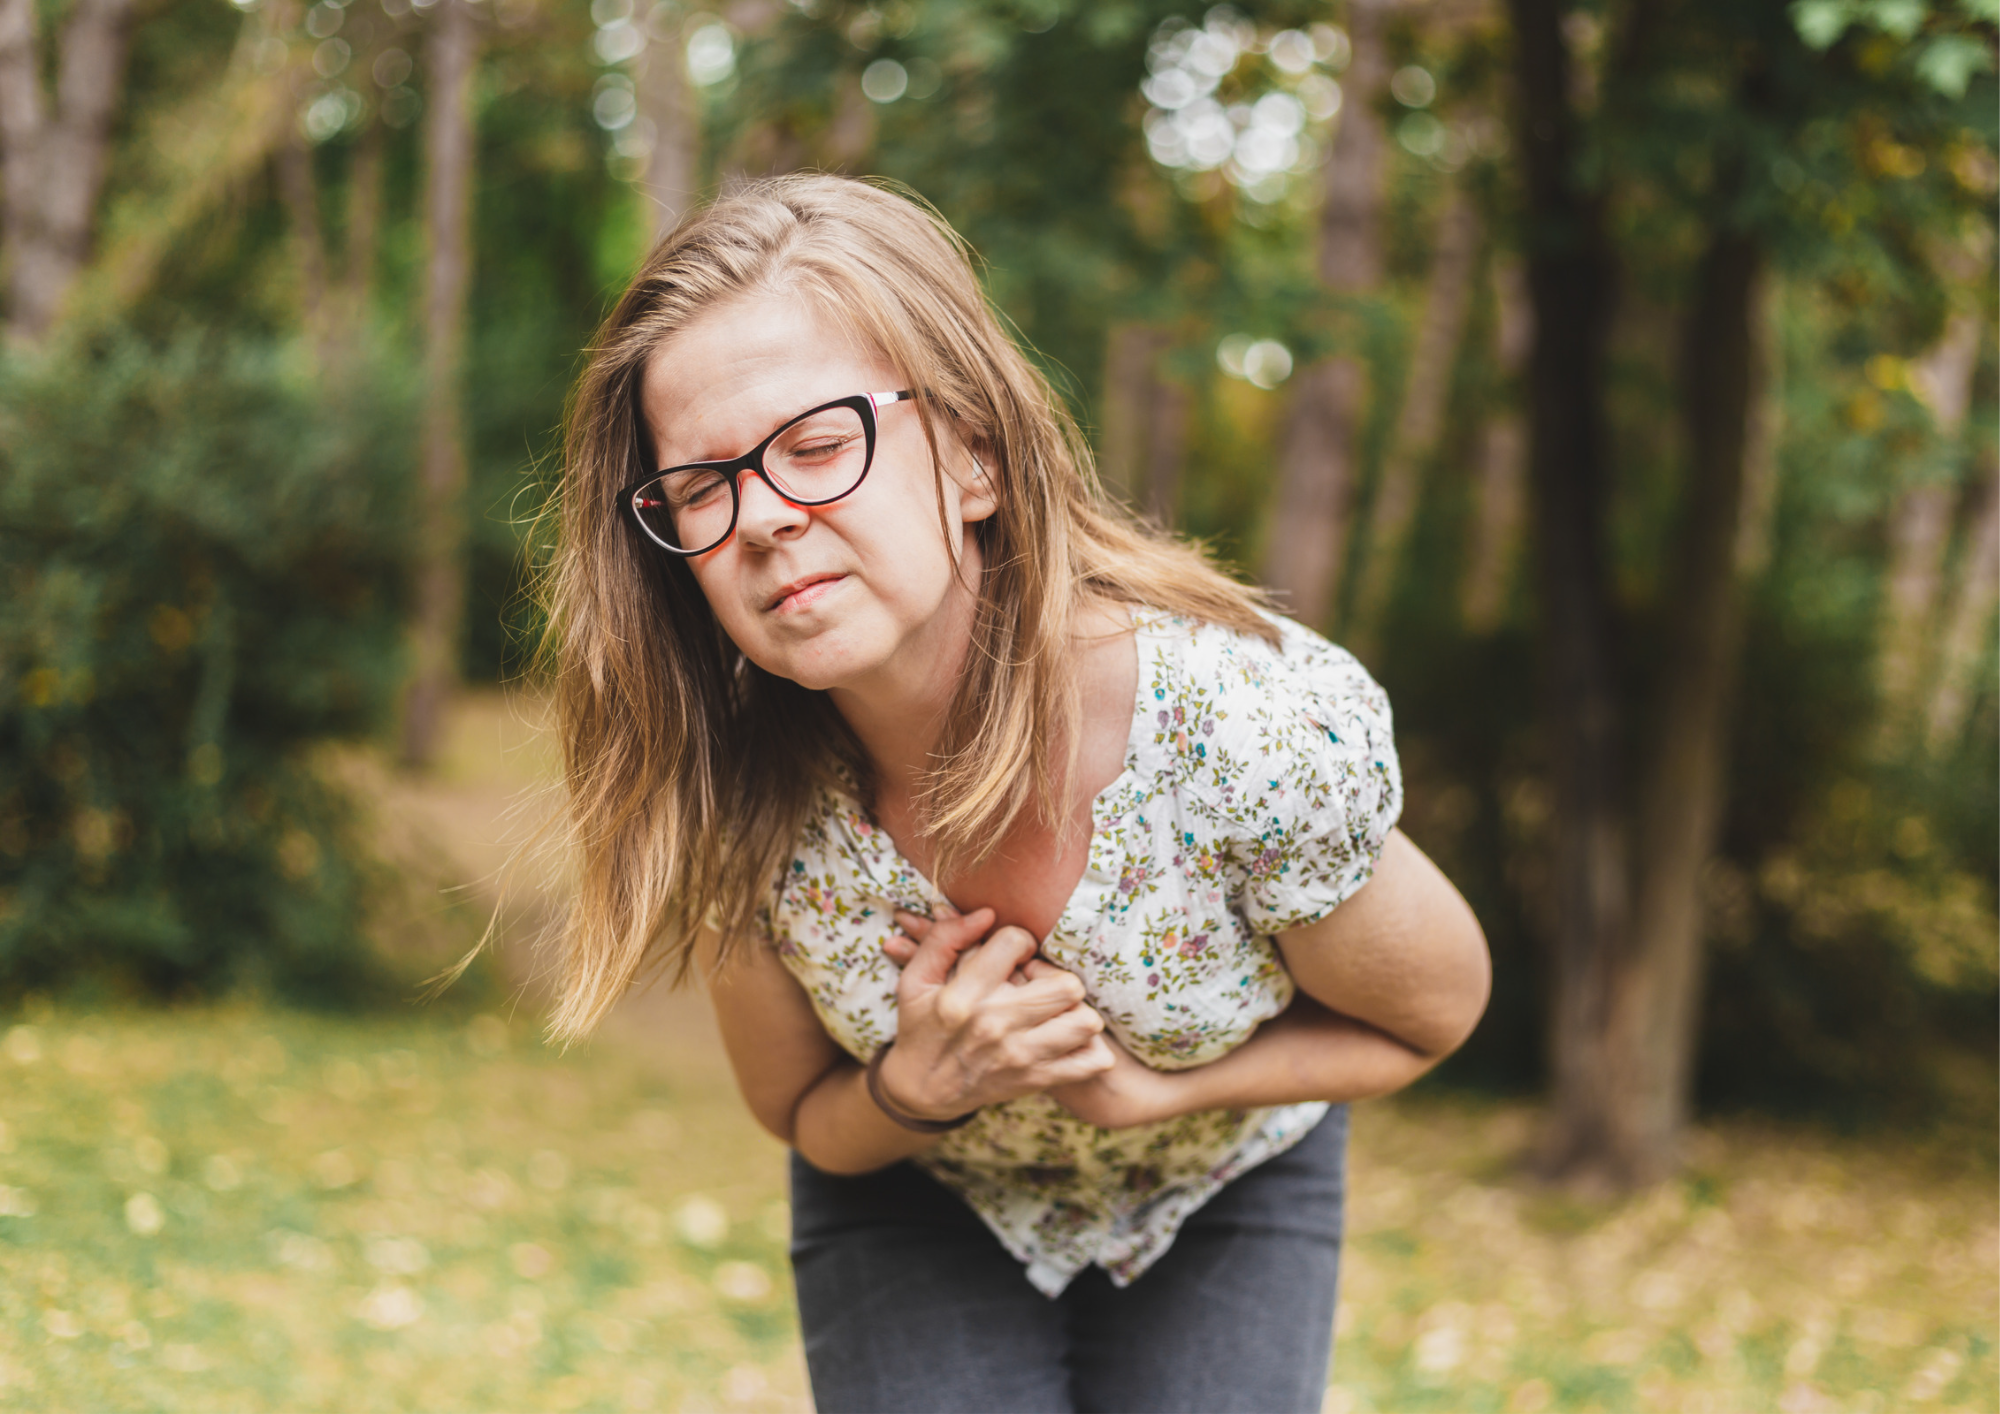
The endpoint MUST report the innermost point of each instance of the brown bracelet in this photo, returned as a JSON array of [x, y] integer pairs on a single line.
[[921, 1126]]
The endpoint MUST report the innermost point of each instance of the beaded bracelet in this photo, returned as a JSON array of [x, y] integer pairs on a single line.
[[921, 1126]]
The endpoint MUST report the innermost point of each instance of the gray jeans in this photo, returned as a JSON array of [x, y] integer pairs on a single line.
[[908, 1303]]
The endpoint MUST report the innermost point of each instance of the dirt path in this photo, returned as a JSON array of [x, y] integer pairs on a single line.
[[470, 835]]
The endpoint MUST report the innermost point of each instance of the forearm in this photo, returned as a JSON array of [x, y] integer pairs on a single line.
[[1308, 1053], [839, 1128]]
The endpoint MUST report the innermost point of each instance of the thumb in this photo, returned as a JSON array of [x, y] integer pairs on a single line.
[[938, 953]]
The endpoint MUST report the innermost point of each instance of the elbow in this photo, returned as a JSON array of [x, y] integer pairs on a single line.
[[1464, 999], [839, 1166], [1453, 1001]]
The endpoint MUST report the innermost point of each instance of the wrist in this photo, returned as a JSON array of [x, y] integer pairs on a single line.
[[1176, 1093], [1184, 1092], [909, 1116]]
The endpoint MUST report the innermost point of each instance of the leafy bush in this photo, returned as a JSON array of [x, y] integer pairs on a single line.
[[202, 548]]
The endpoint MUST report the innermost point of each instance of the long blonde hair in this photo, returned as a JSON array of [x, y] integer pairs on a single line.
[[689, 769]]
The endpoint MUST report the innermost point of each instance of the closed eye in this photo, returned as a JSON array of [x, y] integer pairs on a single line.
[[824, 450]]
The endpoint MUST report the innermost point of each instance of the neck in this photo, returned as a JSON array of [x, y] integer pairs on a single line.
[[898, 711]]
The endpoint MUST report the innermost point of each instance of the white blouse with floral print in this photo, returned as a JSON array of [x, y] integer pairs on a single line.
[[1259, 786]]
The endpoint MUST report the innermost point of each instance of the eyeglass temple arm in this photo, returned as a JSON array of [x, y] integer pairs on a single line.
[[882, 400]]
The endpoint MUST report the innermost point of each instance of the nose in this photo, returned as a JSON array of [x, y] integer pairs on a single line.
[[763, 516]]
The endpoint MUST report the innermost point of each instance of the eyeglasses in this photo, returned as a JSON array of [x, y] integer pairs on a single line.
[[813, 460]]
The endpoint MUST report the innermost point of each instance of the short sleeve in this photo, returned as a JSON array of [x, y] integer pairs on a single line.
[[1301, 783]]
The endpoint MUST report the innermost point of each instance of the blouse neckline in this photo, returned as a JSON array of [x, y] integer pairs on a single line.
[[886, 861]]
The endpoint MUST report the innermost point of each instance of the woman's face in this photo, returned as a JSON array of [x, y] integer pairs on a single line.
[[857, 595]]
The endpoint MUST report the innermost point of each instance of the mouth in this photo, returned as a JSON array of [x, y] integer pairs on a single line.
[[802, 592]]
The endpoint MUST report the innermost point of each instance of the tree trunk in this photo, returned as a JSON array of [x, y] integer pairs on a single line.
[[1350, 223], [1145, 423], [1767, 423], [364, 230], [1652, 1023], [1317, 451], [845, 143], [298, 188], [1129, 352], [55, 153], [667, 101], [1920, 523], [207, 149], [1433, 355], [1496, 529], [1316, 457], [1568, 282], [1919, 530], [440, 609], [1167, 450], [1968, 626]]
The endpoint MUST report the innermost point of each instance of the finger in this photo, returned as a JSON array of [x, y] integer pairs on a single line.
[[1004, 950], [1032, 970], [899, 949], [1086, 1062], [1064, 1032], [931, 965], [1027, 1005], [918, 924]]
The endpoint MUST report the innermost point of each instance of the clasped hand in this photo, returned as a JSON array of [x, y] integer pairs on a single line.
[[983, 1018]]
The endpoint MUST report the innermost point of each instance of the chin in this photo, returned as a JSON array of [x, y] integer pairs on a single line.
[[818, 666]]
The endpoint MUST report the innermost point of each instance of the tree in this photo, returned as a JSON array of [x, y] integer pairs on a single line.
[[1318, 458], [667, 102], [55, 148], [1145, 419], [448, 150], [1440, 328], [1630, 846]]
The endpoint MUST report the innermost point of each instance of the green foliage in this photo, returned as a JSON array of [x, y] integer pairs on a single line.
[[202, 550], [545, 211], [1852, 911], [1939, 51]]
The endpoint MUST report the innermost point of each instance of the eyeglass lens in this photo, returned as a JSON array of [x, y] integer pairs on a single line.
[[817, 459]]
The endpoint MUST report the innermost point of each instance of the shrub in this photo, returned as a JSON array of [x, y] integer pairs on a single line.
[[203, 551]]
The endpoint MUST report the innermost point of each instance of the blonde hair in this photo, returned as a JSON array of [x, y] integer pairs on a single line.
[[689, 769]]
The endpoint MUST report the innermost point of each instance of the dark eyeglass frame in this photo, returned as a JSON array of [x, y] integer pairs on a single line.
[[732, 469]]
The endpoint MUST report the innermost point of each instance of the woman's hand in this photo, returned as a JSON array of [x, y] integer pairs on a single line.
[[980, 1019], [1127, 1093]]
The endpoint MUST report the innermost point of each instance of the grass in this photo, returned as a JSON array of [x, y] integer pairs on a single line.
[[228, 1209]]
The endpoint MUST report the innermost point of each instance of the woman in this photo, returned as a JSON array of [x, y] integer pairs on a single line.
[[1045, 884]]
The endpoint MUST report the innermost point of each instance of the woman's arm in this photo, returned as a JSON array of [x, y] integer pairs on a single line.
[[968, 1034], [1390, 983], [798, 1084], [1404, 954]]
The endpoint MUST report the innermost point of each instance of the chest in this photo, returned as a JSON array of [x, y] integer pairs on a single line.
[[1150, 927], [1032, 873], [1027, 880]]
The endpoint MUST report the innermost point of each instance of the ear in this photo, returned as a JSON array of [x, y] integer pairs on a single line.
[[977, 499]]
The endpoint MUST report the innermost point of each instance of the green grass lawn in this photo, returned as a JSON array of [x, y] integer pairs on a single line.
[[228, 1209]]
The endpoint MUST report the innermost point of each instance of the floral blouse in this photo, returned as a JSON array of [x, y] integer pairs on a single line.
[[1259, 786]]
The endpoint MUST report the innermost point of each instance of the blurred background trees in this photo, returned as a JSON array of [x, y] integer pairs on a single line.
[[1618, 379]]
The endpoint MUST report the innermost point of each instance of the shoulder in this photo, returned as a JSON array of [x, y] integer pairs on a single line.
[[1248, 688], [821, 864], [1284, 758]]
